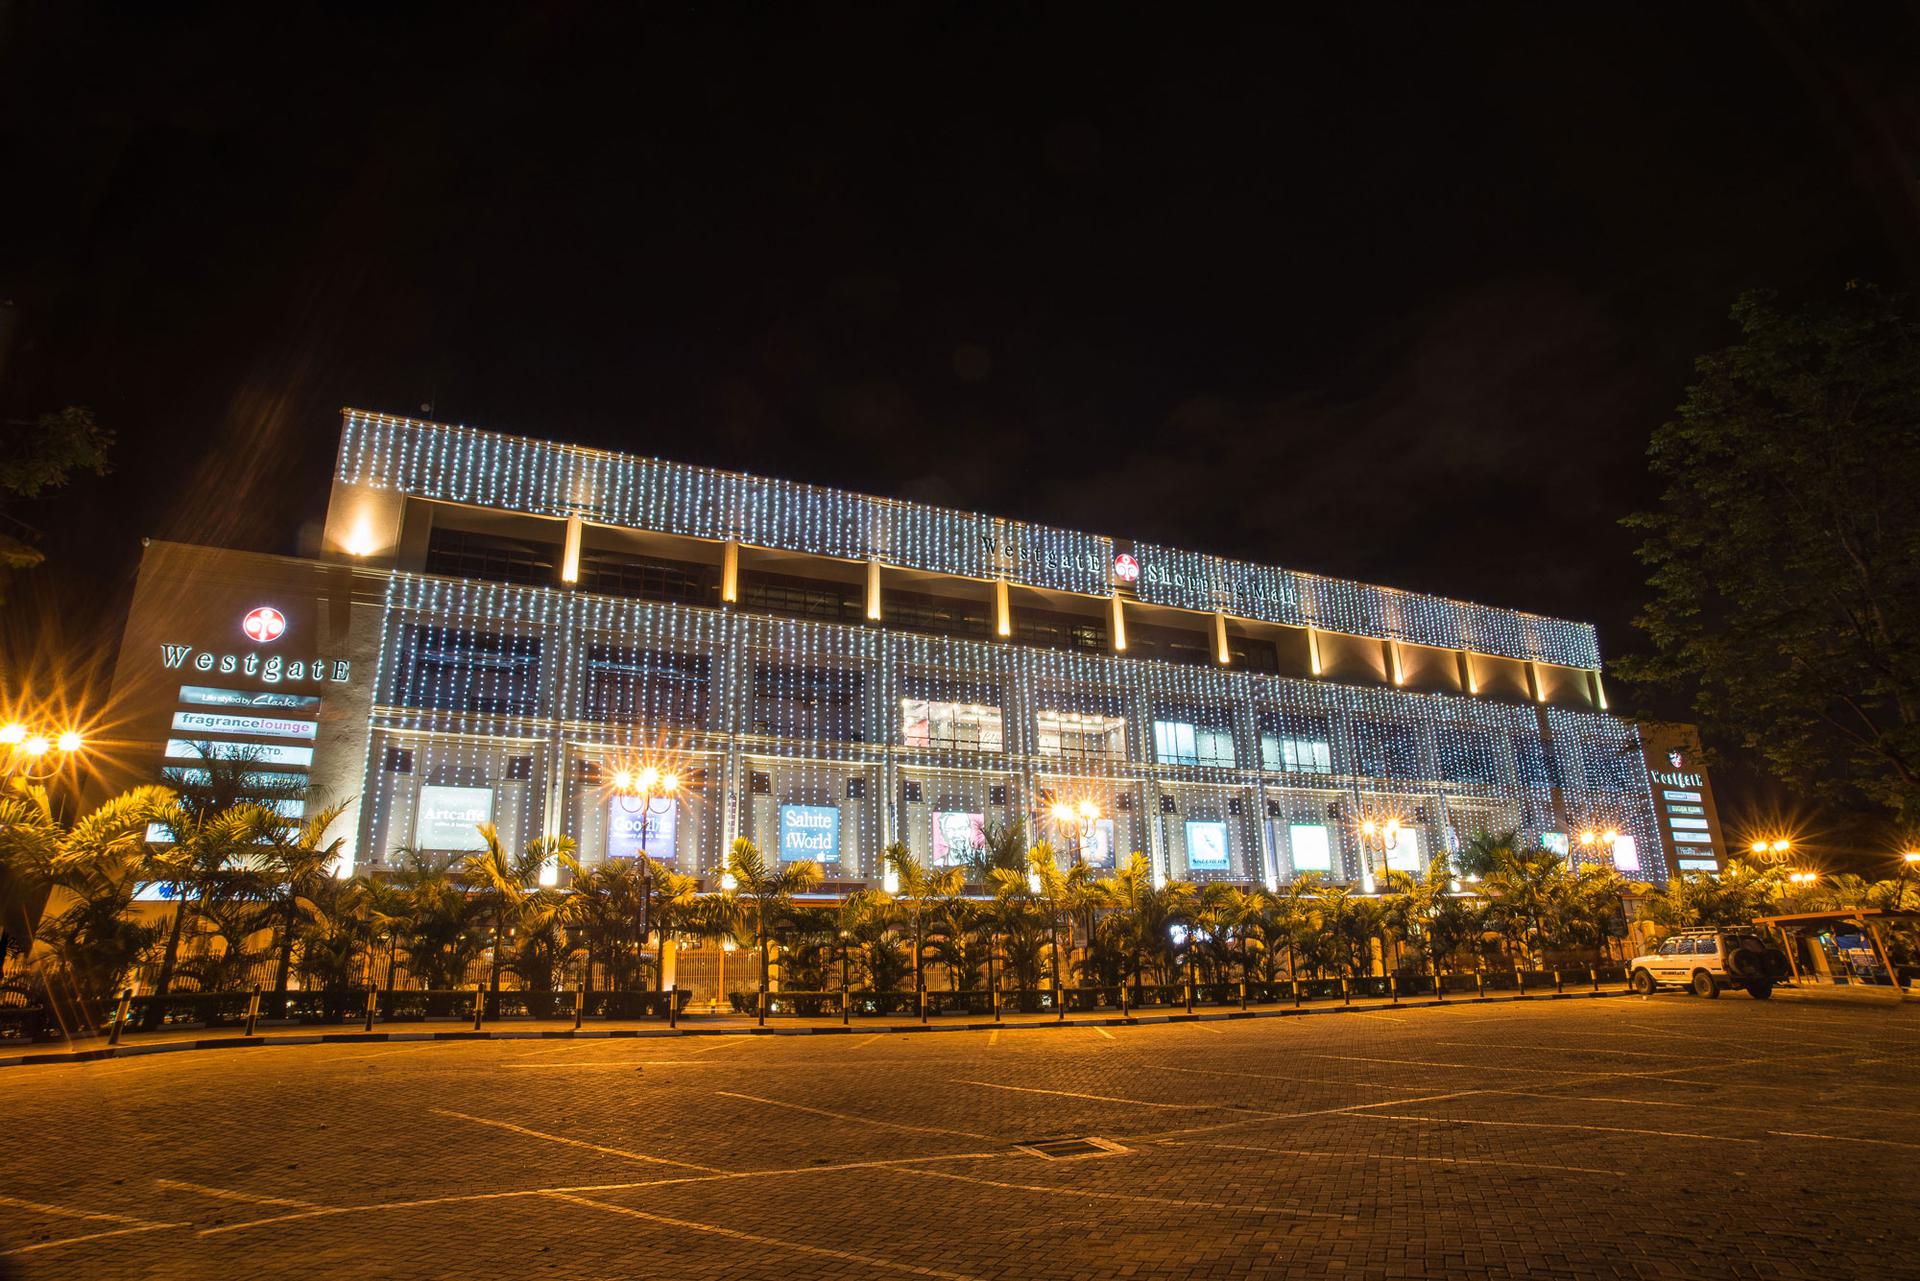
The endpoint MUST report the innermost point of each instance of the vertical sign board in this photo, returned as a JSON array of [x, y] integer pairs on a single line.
[[810, 832], [449, 818], [957, 836], [1206, 845], [637, 831]]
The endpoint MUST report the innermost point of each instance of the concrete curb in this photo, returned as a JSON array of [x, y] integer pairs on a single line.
[[232, 1042]]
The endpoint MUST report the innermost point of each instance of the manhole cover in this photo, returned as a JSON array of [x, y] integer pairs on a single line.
[[1069, 1149]]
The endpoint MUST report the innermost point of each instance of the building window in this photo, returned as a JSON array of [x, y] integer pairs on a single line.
[[1170, 645], [940, 615], [647, 578], [645, 686], [807, 702], [802, 598], [460, 670], [1184, 743], [460, 553], [968, 727], [1082, 734], [1059, 631], [1295, 755], [1386, 750]]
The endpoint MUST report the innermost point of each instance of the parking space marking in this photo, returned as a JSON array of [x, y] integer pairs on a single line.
[[90, 1236], [61, 1211], [694, 1225], [1844, 1138], [1387, 1156], [577, 1143], [1172, 1202], [1263, 1118], [848, 1116], [1554, 1125], [1092, 1098], [1103, 1032], [228, 1194]]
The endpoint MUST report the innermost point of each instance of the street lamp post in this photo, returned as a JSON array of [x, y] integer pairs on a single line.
[[648, 786], [1589, 839], [1082, 821], [846, 992], [37, 753], [1380, 837], [1908, 861]]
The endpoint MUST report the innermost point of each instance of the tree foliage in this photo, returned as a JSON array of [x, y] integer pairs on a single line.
[[37, 456], [1785, 548]]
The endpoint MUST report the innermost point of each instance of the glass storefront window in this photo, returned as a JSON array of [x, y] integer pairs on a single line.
[[1183, 743], [1082, 734], [967, 726], [1295, 755]]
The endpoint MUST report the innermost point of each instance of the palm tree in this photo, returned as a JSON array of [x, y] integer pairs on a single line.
[[507, 885], [670, 896], [612, 901], [86, 875], [768, 893], [299, 853], [333, 935], [442, 925], [919, 888], [1296, 919], [866, 923], [214, 854]]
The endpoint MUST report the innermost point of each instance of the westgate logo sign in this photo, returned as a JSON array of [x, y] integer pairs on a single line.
[[271, 670], [1667, 779], [263, 623], [1126, 568]]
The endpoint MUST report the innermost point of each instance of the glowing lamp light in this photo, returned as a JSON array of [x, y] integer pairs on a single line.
[[1610, 836], [1063, 811], [1089, 811], [729, 882], [1911, 856], [35, 746], [1033, 881], [623, 780], [14, 734], [1589, 836], [70, 741], [1782, 846], [1759, 847], [648, 780], [669, 784], [1367, 828]]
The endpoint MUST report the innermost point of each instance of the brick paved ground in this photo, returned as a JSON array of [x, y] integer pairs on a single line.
[[1666, 1137]]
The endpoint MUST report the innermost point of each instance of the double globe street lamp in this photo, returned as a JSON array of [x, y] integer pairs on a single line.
[[35, 753]]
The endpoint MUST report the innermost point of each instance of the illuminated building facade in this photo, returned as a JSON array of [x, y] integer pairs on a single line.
[[495, 626]]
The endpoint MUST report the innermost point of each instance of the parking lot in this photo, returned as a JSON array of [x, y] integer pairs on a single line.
[[1659, 1137]]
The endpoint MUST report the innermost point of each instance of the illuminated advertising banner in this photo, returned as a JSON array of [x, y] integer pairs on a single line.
[[635, 831], [1626, 854], [1097, 850], [228, 723], [448, 818], [1404, 854], [957, 837], [809, 832], [1308, 847], [1206, 845], [257, 780], [208, 696], [181, 749]]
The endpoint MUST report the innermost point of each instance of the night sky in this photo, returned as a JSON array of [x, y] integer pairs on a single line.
[[1398, 294]]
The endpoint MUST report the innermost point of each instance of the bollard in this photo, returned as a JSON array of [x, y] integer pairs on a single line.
[[1296, 991], [120, 1017], [1519, 981], [996, 1005], [1189, 996], [1123, 1000], [760, 1006], [846, 1006], [1346, 991], [479, 1005], [1480, 984], [923, 1003], [1243, 994], [1595, 973], [1393, 987], [579, 1005], [673, 1006], [1559, 988], [373, 1005], [1439, 987], [253, 1009]]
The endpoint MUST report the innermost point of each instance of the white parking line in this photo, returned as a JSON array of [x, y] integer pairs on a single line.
[[1092, 1098], [1074, 1191], [848, 1116], [227, 1194], [1386, 1156], [1553, 1125], [577, 1143], [1843, 1138], [694, 1225]]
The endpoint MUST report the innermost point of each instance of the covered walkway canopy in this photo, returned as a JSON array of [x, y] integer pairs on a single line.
[[1867, 920]]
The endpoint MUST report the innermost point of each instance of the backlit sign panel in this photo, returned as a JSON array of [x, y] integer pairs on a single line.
[[449, 818], [957, 837], [641, 830], [809, 832], [1206, 845], [228, 723]]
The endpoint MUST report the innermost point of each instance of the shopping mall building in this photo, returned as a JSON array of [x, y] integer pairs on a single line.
[[494, 627]]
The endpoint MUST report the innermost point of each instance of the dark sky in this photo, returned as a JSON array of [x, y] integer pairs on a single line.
[[1395, 294]]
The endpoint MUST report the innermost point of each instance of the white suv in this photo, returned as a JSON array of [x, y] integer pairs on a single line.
[[1705, 961]]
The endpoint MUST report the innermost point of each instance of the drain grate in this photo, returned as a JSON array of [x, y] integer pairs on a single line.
[[1069, 1149]]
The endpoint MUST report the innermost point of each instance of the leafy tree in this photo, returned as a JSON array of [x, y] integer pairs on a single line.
[[767, 893], [1785, 548], [36, 457], [299, 854], [507, 886], [919, 889]]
